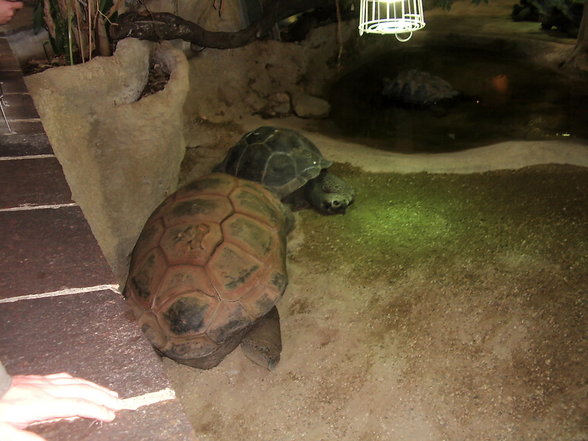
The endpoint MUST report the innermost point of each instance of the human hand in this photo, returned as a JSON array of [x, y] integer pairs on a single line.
[[36, 398], [10, 433], [7, 9]]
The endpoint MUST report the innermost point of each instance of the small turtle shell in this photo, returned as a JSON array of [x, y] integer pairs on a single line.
[[281, 159]]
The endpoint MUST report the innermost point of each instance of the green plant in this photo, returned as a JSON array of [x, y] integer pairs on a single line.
[[77, 29]]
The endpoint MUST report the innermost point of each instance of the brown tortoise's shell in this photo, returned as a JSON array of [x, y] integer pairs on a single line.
[[208, 264]]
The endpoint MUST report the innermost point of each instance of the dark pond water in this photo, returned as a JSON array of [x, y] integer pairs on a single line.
[[505, 99]]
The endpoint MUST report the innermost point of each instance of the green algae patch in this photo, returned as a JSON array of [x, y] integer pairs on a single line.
[[432, 222]]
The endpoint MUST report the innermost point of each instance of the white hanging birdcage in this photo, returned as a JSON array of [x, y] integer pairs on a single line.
[[391, 17]]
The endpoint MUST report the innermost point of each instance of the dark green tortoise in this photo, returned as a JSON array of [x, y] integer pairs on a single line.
[[290, 165]]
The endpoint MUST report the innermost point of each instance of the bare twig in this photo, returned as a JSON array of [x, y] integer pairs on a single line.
[[79, 36], [339, 36], [159, 26], [48, 18]]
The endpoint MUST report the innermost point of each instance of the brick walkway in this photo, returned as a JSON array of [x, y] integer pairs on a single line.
[[59, 307]]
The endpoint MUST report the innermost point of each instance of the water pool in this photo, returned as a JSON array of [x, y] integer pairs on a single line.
[[506, 99]]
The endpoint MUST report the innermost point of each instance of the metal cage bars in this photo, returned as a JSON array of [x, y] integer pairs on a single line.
[[391, 17]]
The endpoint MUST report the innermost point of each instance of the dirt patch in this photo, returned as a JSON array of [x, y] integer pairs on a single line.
[[439, 307]]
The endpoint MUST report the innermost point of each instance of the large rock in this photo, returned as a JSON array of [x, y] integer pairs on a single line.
[[228, 84], [120, 154], [307, 106]]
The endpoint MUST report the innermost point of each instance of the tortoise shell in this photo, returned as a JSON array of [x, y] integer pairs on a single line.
[[281, 159], [418, 88], [208, 264]]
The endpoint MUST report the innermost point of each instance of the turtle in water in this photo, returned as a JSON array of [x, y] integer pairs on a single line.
[[419, 89], [208, 269], [290, 165]]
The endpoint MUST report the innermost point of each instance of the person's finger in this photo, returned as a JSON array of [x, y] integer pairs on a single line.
[[77, 407], [87, 392], [42, 378], [59, 408], [61, 380], [72, 381], [59, 375], [11, 433], [17, 5]]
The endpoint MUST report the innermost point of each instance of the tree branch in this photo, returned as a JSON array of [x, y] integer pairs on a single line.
[[160, 26], [578, 59]]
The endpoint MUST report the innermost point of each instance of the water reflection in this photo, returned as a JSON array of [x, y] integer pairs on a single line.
[[504, 99]]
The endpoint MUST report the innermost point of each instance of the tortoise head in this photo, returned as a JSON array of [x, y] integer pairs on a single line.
[[333, 203], [329, 194]]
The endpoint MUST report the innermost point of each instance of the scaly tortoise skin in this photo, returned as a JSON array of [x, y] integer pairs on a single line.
[[209, 265]]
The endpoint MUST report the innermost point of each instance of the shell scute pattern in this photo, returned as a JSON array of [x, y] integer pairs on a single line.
[[203, 268], [148, 272], [190, 243], [281, 159], [229, 319]]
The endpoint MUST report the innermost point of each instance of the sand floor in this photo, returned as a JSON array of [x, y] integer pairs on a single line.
[[440, 307], [449, 303]]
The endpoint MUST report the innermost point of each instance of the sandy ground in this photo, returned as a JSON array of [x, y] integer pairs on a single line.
[[449, 303], [440, 307]]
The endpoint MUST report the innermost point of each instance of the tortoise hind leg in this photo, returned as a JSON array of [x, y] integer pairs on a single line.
[[263, 343]]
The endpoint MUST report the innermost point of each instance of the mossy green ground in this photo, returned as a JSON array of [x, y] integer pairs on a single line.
[[432, 222]]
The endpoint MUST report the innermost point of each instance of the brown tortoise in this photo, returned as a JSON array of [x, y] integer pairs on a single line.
[[208, 269]]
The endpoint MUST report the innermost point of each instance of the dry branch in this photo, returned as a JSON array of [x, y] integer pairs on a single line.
[[165, 26]]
